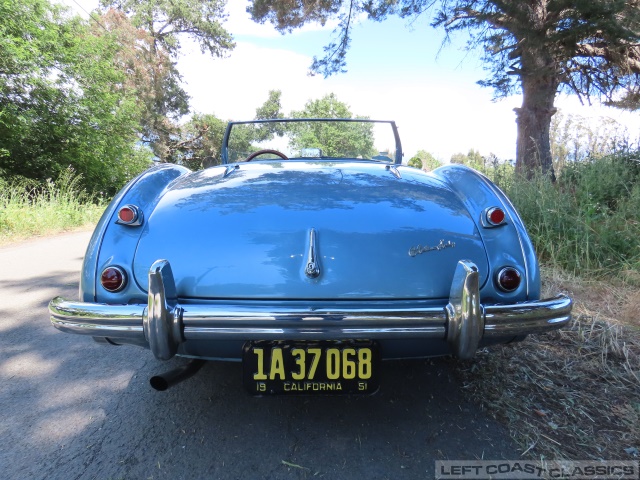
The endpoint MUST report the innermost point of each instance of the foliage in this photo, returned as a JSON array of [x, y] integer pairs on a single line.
[[167, 20], [286, 16], [592, 45], [586, 47], [200, 140], [334, 138], [424, 161], [540, 47], [415, 162], [163, 23], [575, 138], [588, 221], [58, 104], [243, 140], [150, 75], [198, 144], [472, 159], [28, 208], [270, 109]]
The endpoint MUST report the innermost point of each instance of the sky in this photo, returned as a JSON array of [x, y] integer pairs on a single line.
[[397, 70]]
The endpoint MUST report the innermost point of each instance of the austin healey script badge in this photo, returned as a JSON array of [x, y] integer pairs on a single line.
[[418, 249]]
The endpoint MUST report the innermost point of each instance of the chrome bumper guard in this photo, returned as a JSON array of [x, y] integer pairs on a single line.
[[164, 323]]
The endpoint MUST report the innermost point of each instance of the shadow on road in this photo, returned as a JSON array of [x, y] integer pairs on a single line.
[[75, 409], [209, 427]]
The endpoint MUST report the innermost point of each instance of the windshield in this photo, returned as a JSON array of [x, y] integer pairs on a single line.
[[317, 139]]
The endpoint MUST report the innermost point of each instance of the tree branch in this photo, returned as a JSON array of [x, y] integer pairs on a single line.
[[629, 59]]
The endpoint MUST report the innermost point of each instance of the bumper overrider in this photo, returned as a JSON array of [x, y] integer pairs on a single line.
[[164, 324]]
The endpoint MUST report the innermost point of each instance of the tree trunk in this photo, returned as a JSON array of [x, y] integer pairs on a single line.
[[539, 86], [533, 147]]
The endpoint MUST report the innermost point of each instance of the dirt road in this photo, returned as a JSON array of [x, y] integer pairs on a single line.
[[72, 408]]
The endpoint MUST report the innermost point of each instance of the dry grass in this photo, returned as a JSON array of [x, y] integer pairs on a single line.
[[575, 393]]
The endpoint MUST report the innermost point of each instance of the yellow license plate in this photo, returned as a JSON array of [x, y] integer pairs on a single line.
[[311, 368]]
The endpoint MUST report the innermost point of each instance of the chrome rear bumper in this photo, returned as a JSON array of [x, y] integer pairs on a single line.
[[164, 324]]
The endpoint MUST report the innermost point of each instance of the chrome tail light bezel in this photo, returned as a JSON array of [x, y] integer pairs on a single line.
[[137, 216]]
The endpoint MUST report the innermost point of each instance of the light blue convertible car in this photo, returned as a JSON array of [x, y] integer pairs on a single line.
[[310, 254]]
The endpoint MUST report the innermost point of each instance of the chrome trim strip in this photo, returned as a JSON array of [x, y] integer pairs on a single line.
[[320, 333], [312, 268], [202, 322]]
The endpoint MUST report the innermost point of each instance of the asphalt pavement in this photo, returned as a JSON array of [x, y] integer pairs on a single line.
[[74, 409]]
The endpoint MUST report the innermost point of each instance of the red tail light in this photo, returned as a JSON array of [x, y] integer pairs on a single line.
[[113, 279], [508, 279], [129, 215], [495, 216]]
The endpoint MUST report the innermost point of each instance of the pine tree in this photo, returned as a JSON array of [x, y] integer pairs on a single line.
[[539, 48]]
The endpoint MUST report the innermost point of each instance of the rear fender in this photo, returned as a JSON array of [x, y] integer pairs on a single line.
[[508, 244], [113, 244]]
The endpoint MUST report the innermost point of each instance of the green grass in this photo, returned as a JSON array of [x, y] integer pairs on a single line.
[[588, 222], [28, 209]]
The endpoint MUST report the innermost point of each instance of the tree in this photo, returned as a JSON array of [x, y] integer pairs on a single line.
[[472, 159], [167, 20], [424, 161], [165, 23], [200, 140], [58, 105], [150, 75], [538, 47], [575, 138], [335, 138], [271, 108], [415, 162]]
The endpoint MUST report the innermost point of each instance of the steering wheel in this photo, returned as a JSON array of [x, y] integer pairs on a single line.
[[262, 152]]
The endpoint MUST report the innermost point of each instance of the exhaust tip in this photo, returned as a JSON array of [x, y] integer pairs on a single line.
[[164, 381], [159, 383]]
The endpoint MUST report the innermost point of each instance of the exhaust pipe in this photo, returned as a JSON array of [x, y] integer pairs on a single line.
[[177, 375]]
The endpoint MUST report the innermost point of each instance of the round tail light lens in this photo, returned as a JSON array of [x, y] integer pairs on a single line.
[[129, 215], [495, 216], [509, 279], [113, 279]]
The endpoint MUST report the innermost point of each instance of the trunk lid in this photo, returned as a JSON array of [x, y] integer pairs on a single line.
[[246, 233]]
